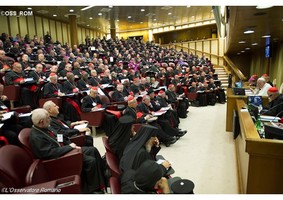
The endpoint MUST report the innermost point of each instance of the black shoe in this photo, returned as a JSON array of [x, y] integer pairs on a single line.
[[181, 133], [173, 140]]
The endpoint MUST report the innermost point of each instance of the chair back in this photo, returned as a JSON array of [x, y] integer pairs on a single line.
[[12, 92], [115, 185], [94, 118], [14, 165], [113, 164], [192, 96], [24, 139], [56, 100], [106, 144], [104, 99], [3, 141]]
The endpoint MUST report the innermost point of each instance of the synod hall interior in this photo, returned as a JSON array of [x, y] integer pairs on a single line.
[[141, 99]]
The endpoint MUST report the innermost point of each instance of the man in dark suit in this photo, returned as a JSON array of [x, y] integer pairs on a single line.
[[63, 127], [46, 143]]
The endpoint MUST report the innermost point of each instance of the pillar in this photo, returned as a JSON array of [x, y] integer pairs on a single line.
[[73, 30], [113, 33]]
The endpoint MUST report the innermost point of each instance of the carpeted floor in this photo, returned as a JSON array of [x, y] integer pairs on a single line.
[[206, 154]]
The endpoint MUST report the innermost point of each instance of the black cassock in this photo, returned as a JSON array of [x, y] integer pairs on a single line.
[[45, 146]]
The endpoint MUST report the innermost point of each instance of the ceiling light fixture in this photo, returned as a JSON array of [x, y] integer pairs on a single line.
[[99, 14], [87, 25], [247, 48], [71, 10], [243, 51], [263, 7], [129, 17], [249, 31], [238, 53], [188, 6], [254, 44], [242, 42], [110, 6], [142, 10], [85, 8], [90, 18], [54, 15], [169, 13], [29, 8], [117, 20], [266, 36]]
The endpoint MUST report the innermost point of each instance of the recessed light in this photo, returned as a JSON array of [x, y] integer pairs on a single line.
[[169, 13], [90, 18], [243, 51], [242, 42], [129, 17], [266, 36], [87, 25], [254, 44], [263, 7], [247, 48], [249, 31], [29, 8], [238, 53], [142, 10], [110, 6], [54, 15], [188, 6], [71, 10], [154, 19], [100, 14]]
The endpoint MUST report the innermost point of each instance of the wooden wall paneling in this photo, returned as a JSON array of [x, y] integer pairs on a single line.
[[14, 27], [31, 26], [59, 32], [65, 33], [52, 30], [39, 27], [23, 26], [4, 25]]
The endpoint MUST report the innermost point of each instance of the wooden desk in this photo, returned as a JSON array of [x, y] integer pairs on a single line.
[[260, 161], [231, 106]]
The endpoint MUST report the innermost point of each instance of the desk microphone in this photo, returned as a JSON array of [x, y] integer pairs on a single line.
[[265, 111]]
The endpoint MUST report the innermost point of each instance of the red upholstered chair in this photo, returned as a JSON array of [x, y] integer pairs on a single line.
[[56, 100], [61, 165], [94, 118], [13, 93], [121, 105], [137, 127], [106, 144], [192, 96], [22, 109], [113, 164], [115, 185], [3, 141], [19, 170]]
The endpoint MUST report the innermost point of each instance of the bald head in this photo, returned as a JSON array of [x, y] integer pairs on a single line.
[[40, 118]]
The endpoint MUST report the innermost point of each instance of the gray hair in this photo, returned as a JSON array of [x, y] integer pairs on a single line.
[[47, 105], [38, 115]]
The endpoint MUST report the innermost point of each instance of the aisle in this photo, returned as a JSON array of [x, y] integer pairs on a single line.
[[206, 154]]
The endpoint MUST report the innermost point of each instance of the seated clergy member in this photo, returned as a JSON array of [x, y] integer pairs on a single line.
[[143, 146], [16, 76], [46, 143], [141, 117], [53, 88], [275, 106], [261, 87], [121, 135], [62, 127], [118, 95], [92, 101], [147, 179]]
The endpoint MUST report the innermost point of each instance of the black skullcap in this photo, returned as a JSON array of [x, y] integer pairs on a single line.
[[183, 186], [147, 175]]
